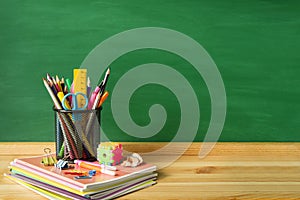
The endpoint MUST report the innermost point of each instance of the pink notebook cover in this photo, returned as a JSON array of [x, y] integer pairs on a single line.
[[34, 165]]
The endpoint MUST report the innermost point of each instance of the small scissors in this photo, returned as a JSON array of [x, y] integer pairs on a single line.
[[75, 103]]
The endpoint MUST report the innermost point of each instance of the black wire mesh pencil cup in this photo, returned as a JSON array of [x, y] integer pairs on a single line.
[[77, 134]]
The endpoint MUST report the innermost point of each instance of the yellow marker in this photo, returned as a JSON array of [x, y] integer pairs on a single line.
[[80, 85]]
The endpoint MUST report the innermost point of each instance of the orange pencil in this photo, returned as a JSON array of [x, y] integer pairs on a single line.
[[103, 98]]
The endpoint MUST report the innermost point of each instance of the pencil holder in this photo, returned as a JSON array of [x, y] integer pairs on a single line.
[[77, 134]]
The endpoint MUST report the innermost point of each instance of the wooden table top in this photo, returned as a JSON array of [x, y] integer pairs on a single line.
[[230, 171]]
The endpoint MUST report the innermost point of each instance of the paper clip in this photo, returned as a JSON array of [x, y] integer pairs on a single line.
[[48, 160]]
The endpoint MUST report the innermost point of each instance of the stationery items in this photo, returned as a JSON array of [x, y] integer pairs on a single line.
[[77, 114]]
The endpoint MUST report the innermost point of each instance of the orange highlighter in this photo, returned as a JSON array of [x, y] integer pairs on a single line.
[[92, 166]]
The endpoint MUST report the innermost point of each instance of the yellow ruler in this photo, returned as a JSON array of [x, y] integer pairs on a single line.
[[80, 85]]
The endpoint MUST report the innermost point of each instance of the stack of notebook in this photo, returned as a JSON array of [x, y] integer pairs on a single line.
[[54, 183]]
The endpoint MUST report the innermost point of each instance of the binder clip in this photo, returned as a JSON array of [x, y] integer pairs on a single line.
[[48, 159], [62, 164]]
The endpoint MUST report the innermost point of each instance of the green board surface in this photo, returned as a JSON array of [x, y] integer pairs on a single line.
[[255, 45]]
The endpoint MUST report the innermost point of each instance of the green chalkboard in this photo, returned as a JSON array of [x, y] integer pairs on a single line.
[[254, 44]]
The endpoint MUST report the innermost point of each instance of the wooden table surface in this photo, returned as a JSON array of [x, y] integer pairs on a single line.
[[230, 171]]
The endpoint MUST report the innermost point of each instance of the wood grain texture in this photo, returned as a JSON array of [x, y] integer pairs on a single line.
[[230, 171]]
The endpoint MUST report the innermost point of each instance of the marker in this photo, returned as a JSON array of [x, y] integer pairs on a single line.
[[87, 165], [108, 167], [69, 83]]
